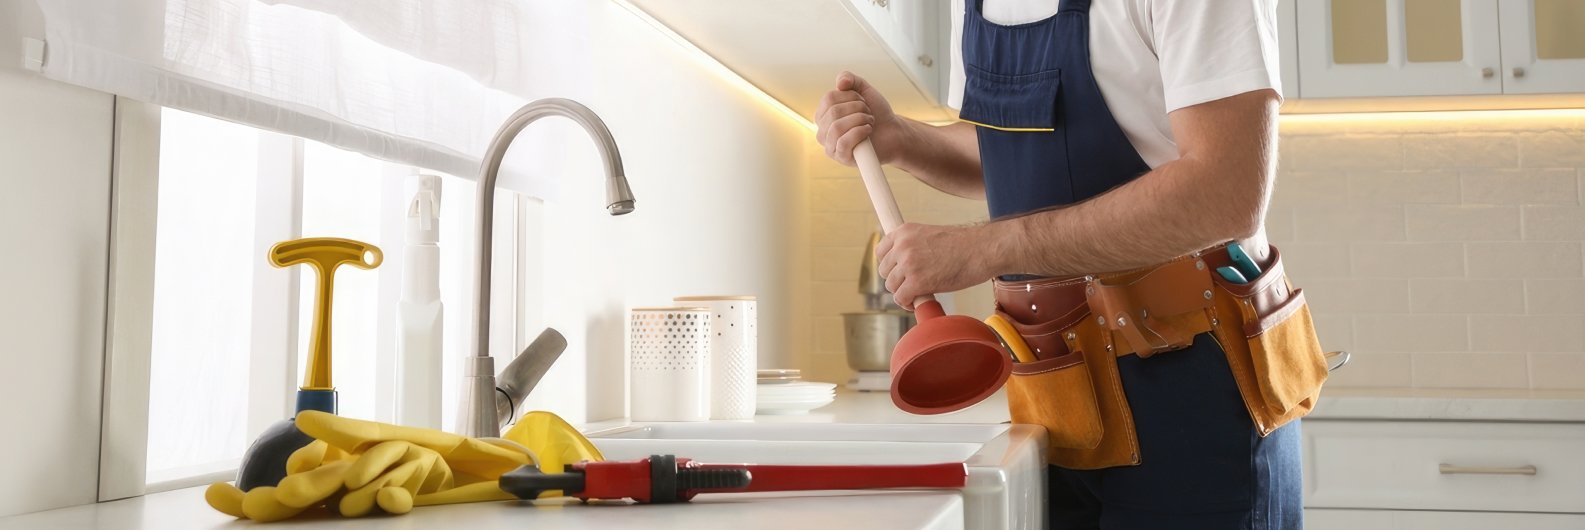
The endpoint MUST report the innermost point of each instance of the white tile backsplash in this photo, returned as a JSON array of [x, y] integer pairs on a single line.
[[1461, 296], [1442, 249], [1530, 259], [1462, 222], [1520, 186], [1471, 370], [1461, 150], [1558, 223], [1528, 333], [1411, 332], [1438, 186]]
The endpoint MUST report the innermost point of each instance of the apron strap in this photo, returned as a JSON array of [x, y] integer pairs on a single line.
[[1068, 6]]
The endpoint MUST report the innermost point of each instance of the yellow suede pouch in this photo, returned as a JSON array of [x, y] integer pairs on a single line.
[[1277, 361], [1075, 393]]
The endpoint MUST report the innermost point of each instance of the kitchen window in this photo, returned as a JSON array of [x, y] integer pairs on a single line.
[[230, 331]]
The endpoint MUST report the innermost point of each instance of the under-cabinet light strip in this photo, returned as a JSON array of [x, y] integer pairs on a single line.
[[709, 62]]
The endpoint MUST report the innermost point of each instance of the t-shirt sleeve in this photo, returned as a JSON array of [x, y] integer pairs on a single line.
[[1213, 49]]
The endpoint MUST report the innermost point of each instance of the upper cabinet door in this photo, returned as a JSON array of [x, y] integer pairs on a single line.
[[1350, 48], [911, 32], [1543, 46]]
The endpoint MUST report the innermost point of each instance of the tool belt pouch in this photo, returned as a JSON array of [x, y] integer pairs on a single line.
[[1055, 392], [1264, 327], [1074, 390]]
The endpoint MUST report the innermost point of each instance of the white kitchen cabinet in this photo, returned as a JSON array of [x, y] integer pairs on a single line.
[[1543, 46], [1331, 519], [1445, 465], [909, 31], [1350, 48], [1288, 46], [793, 49]]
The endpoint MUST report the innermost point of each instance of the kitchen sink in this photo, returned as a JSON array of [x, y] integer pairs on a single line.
[[1006, 468]]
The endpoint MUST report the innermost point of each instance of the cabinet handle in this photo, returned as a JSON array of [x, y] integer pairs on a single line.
[[1518, 71], [1450, 469], [1487, 73], [880, 3], [927, 61]]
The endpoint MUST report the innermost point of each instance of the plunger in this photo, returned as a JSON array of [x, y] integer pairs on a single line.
[[264, 464], [945, 363]]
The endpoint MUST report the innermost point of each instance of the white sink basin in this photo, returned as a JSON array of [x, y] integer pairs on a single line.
[[1006, 469], [811, 432]]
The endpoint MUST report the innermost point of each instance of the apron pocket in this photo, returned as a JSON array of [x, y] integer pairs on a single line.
[[1272, 346], [1057, 394], [1017, 103]]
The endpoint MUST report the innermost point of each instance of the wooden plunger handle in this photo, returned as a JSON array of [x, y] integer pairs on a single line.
[[881, 197]]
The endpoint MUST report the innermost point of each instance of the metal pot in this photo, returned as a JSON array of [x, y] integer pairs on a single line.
[[870, 336]]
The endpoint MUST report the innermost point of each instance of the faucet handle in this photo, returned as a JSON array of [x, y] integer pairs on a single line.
[[524, 372]]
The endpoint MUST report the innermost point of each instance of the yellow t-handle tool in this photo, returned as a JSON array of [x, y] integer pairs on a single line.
[[324, 254], [264, 464]]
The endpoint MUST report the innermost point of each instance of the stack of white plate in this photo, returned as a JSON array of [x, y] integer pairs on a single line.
[[779, 392]]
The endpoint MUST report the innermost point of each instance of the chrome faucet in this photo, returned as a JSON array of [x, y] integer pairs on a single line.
[[479, 418]]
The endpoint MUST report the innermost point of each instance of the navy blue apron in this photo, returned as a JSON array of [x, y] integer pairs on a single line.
[[1047, 139]]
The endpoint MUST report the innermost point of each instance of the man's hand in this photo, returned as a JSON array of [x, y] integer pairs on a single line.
[[853, 111], [917, 260]]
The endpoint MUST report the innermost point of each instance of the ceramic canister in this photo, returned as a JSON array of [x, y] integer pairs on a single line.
[[734, 352], [670, 364]]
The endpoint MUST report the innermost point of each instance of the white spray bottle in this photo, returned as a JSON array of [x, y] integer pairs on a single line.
[[418, 349]]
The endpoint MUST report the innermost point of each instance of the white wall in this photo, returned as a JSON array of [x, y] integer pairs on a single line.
[[719, 178], [54, 219]]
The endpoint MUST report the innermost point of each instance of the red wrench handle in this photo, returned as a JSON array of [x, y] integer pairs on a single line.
[[802, 478]]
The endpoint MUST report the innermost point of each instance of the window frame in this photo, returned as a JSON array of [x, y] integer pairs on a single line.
[[274, 328]]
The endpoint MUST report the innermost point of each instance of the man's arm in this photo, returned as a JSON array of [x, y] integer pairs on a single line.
[[946, 158], [1214, 192]]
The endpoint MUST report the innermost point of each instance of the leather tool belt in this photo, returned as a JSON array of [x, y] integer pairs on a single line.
[[1077, 327]]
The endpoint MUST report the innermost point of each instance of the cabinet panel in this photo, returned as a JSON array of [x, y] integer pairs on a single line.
[[1543, 46], [1476, 466], [909, 31], [1433, 31], [1351, 48], [1288, 45], [1327, 519], [1359, 31]]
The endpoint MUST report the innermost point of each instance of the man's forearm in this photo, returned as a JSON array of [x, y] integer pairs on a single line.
[[1215, 193], [946, 158]]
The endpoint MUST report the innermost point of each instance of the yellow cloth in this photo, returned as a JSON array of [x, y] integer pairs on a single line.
[[355, 465]]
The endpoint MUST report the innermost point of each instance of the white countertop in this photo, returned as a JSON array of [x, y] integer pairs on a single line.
[[185, 508], [1451, 405], [870, 510]]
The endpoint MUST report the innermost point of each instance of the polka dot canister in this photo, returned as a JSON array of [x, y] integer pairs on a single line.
[[669, 352]]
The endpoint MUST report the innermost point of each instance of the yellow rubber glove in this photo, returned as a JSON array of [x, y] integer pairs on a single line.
[[478, 459], [369, 464]]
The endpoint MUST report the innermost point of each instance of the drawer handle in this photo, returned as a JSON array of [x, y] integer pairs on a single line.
[[1450, 469]]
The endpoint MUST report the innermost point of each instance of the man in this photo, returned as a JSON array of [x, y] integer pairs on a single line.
[[1108, 135]]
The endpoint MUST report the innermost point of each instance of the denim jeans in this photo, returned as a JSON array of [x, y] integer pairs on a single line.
[[1203, 465]]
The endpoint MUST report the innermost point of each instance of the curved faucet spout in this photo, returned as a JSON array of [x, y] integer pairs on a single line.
[[478, 418]]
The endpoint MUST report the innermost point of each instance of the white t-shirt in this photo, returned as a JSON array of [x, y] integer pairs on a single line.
[[1151, 57]]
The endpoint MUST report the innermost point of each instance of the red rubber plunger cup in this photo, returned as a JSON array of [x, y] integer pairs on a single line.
[[945, 363]]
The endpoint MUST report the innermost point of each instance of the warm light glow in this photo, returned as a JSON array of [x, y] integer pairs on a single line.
[[1462, 116], [715, 66]]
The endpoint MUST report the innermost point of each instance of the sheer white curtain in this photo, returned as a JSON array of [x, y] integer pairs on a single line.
[[418, 82]]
